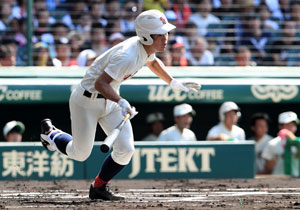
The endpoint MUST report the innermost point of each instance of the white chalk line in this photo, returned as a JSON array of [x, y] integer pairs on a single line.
[[146, 195]]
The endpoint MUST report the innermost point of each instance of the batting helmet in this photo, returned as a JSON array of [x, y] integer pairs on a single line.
[[226, 107], [151, 22]]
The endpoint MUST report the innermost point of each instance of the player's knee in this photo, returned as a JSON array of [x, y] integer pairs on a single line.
[[82, 156], [124, 157]]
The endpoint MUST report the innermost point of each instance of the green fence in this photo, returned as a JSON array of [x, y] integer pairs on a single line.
[[150, 161]]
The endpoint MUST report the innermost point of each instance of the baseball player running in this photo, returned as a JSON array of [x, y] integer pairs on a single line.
[[96, 100]]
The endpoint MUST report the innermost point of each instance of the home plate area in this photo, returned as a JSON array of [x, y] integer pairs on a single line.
[[260, 193]]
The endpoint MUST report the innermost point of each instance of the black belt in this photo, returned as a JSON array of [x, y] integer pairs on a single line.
[[89, 95]]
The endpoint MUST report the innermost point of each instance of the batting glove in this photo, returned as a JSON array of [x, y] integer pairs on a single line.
[[127, 108], [184, 86]]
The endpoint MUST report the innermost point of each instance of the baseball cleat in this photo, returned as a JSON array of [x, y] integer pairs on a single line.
[[103, 193], [46, 128]]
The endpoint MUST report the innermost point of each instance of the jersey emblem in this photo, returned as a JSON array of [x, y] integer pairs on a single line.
[[163, 20]]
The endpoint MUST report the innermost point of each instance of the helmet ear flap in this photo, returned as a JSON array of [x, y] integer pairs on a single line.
[[145, 38]]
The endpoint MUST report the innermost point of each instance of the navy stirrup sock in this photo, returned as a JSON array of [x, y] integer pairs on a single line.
[[61, 141], [109, 169]]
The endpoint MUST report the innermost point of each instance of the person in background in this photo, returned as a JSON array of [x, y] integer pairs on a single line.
[[227, 130], [274, 151], [155, 125], [178, 55], [63, 53], [41, 56], [6, 56], [259, 123], [243, 57], [165, 57], [13, 131], [115, 38], [183, 117]]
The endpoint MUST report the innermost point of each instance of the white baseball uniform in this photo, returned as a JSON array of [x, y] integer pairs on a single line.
[[120, 62], [260, 145], [173, 134], [275, 149], [237, 133]]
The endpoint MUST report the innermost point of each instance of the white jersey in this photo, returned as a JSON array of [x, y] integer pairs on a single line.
[[173, 134], [260, 145], [150, 137], [120, 62], [275, 149], [237, 133]]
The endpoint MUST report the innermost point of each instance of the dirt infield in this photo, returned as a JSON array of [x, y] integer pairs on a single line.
[[259, 193]]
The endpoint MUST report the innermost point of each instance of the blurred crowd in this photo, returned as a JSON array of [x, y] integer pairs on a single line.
[[209, 32]]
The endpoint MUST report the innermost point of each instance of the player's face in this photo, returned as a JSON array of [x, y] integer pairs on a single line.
[[184, 121], [160, 42]]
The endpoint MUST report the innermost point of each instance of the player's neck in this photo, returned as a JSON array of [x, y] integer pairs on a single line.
[[149, 49]]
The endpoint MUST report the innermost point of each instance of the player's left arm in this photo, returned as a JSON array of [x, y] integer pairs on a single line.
[[158, 68]]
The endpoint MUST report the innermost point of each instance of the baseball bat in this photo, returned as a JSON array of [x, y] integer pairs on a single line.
[[110, 139]]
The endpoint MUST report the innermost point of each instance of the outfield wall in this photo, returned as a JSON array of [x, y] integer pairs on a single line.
[[151, 160]]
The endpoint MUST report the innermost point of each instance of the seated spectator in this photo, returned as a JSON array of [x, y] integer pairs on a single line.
[[259, 123], [199, 54], [203, 17], [283, 12], [243, 57], [284, 49], [40, 55], [112, 11], [227, 130], [178, 55], [96, 11], [57, 31], [128, 15], [13, 131], [98, 39], [63, 53], [268, 24], [274, 151], [165, 57], [188, 36], [295, 14], [77, 8], [42, 23], [76, 43], [256, 39], [5, 17], [6, 56], [183, 12], [115, 39], [183, 117], [155, 126], [84, 26]]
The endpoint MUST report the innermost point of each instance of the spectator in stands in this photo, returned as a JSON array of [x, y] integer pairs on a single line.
[[17, 32], [183, 12], [200, 55], [39, 5], [268, 24], [6, 56], [284, 49], [77, 8], [96, 11], [155, 4], [40, 55], [84, 26], [295, 14], [188, 36], [63, 53], [178, 55], [183, 117], [259, 123], [76, 42], [5, 16], [283, 13], [98, 39], [227, 130], [165, 57], [256, 39], [112, 11], [227, 54], [155, 125], [203, 17], [19, 9], [58, 30], [243, 57], [274, 151], [115, 38], [13, 131], [42, 22], [128, 15]]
